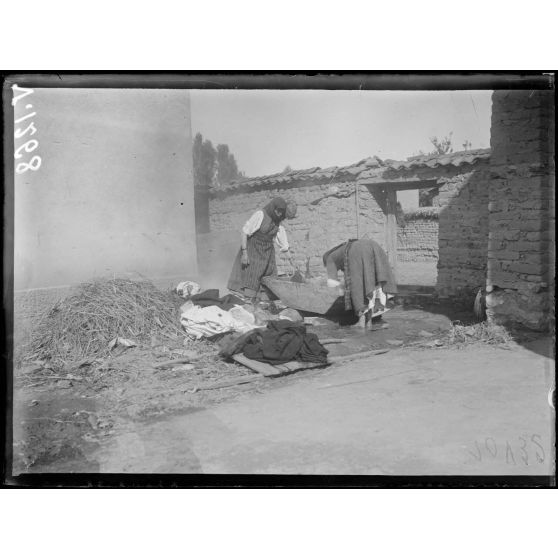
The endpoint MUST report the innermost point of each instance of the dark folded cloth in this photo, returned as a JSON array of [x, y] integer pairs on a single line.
[[210, 297], [312, 350], [234, 343], [283, 341]]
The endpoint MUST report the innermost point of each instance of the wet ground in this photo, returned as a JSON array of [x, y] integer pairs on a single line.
[[396, 328], [60, 426]]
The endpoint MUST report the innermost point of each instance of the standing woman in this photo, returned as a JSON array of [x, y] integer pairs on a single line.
[[256, 258], [369, 280]]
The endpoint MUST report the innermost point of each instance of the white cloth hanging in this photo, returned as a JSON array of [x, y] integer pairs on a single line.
[[379, 295]]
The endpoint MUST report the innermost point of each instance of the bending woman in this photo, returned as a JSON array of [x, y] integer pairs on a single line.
[[256, 257], [368, 276]]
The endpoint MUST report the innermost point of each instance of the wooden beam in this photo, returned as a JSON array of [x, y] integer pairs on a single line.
[[269, 370], [357, 209], [260, 367], [224, 383], [410, 184], [391, 229]]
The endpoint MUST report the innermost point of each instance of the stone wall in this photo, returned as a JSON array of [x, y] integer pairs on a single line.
[[521, 209], [326, 216], [417, 237]]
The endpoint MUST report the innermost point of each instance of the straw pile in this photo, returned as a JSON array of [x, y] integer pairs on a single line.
[[82, 325], [485, 332]]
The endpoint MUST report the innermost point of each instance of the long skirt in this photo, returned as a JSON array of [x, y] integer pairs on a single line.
[[261, 255], [368, 268]]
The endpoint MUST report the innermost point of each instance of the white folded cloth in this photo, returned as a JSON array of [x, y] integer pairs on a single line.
[[212, 320]]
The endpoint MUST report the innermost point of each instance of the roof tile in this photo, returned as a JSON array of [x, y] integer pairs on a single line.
[[365, 168]]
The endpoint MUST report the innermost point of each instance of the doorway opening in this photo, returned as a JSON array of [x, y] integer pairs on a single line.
[[417, 237]]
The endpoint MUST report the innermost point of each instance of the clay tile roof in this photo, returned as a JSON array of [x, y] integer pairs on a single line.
[[365, 168], [455, 159]]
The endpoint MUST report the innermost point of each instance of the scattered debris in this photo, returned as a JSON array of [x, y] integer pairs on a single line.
[[64, 384], [174, 362], [92, 420], [183, 368], [121, 342], [290, 314], [186, 289], [485, 332], [424, 333]]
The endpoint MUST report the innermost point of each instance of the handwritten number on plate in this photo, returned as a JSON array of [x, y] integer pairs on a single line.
[[478, 455], [540, 458], [524, 454], [33, 165], [28, 146], [19, 134], [509, 453], [491, 447], [25, 91]]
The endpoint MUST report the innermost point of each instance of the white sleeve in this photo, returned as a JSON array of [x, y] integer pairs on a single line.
[[253, 224], [281, 239]]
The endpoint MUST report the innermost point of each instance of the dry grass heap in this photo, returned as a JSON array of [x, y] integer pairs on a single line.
[[82, 325], [484, 332]]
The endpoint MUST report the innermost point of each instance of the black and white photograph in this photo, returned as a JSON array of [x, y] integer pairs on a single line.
[[298, 276]]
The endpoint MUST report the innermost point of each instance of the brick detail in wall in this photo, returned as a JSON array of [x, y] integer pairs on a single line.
[[463, 236], [521, 208], [417, 241]]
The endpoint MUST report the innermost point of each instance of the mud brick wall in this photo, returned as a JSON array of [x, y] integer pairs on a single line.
[[463, 237], [462, 202], [521, 209], [327, 215], [417, 239]]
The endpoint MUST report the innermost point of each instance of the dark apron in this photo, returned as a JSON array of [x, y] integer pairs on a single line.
[[261, 254]]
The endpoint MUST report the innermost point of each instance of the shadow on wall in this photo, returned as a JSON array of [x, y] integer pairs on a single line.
[[463, 235]]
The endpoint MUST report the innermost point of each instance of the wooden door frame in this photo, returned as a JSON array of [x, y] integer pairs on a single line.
[[389, 191]]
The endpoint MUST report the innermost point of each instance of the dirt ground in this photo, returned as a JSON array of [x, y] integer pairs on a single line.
[[58, 423]]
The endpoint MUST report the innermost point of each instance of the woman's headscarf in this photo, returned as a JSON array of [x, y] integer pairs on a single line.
[[276, 203]]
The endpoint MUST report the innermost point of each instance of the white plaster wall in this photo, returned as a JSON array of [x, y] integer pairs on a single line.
[[114, 193]]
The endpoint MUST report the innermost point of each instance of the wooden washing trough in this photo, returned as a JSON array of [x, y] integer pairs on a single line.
[[309, 297]]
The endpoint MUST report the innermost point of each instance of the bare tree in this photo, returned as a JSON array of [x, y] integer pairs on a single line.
[[442, 146]]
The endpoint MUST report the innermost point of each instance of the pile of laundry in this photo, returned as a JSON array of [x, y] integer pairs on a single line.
[[206, 314], [280, 342]]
